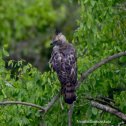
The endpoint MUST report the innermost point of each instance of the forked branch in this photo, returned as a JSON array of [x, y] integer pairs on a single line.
[[109, 109]]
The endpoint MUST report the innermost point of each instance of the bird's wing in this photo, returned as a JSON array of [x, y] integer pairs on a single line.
[[64, 63], [70, 66], [56, 61]]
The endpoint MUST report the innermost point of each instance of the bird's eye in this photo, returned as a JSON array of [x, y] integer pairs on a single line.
[[55, 41]]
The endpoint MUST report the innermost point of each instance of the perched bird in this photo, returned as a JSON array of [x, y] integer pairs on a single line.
[[63, 61]]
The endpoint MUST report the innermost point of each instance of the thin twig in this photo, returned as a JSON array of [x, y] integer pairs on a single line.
[[62, 107], [106, 99], [22, 103]]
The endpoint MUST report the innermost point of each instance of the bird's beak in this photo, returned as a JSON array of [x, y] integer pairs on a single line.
[[52, 43]]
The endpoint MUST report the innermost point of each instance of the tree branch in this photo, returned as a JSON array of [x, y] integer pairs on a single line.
[[102, 102], [45, 109], [53, 100], [96, 66], [109, 110], [22, 103], [70, 112]]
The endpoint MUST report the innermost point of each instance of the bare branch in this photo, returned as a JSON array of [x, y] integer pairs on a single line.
[[42, 109], [22, 103], [101, 101], [109, 110], [70, 112], [96, 66], [53, 100]]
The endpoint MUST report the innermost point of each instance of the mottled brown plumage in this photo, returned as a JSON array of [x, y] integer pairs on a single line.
[[63, 61]]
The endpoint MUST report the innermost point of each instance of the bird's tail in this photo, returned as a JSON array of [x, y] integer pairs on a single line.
[[69, 93]]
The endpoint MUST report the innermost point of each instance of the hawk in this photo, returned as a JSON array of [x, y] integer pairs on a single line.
[[63, 61]]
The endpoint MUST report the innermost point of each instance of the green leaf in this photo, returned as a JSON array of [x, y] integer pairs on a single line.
[[94, 111], [5, 53]]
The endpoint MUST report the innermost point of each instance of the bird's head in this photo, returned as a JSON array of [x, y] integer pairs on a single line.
[[58, 40]]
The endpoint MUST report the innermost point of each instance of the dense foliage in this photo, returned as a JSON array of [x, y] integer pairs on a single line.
[[101, 32]]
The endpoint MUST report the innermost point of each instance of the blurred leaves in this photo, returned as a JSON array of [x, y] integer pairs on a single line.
[[28, 26]]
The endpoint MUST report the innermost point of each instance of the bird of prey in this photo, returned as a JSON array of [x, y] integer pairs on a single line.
[[63, 61]]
